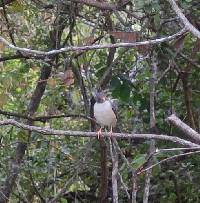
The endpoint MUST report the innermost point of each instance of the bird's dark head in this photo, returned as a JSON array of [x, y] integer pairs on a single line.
[[99, 97]]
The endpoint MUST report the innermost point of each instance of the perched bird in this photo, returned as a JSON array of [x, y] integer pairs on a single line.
[[104, 112]]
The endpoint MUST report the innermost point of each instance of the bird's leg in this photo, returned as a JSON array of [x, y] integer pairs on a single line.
[[111, 132], [99, 133]]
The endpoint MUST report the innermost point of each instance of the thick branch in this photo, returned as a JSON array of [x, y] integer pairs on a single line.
[[49, 131], [174, 120], [183, 19], [92, 47]]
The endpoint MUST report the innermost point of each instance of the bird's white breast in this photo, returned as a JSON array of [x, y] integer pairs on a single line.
[[104, 114]]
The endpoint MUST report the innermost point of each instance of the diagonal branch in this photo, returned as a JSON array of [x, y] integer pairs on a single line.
[[63, 190], [92, 47], [184, 20], [168, 159], [187, 130], [50, 131], [10, 32]]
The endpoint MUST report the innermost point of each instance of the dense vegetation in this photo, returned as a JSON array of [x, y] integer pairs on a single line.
[[55, 91]]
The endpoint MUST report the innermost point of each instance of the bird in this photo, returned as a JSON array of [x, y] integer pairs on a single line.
[[104, 112]]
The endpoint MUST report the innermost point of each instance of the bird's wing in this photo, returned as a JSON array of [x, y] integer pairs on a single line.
[[113, 103]]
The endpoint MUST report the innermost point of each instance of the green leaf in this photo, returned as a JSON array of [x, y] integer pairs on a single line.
[[100, 71], [115, 82], [125, 92], [138, 160], [121, 89], [62, 200], [23, 135], [16, 6]]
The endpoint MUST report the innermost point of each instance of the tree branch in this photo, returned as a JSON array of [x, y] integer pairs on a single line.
[[124, 186], [45, 118], [152, 95], [115, 170], [50, 131], [187, 130], [63, 190], [92, 47], [183, 19], [103, 185], [10, 32], [168, 159]]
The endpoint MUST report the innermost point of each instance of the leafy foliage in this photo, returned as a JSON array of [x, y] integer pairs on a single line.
[[52, 163]]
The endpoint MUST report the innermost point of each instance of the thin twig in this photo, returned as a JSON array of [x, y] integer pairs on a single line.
[[123, 156], [124, 186], [63, 190], [167, 159], [176, 149], [164, 73], [44, 118], [190, 60]]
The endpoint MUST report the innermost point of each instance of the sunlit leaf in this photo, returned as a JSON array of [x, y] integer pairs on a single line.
[[138, 160]]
